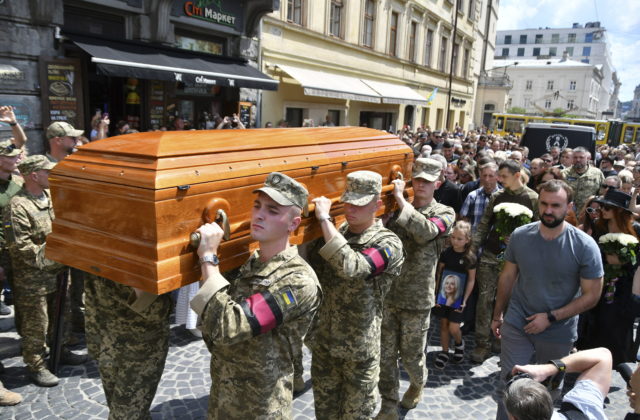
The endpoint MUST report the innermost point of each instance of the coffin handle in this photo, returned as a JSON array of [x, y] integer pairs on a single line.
[[223, 220], [396, 172]]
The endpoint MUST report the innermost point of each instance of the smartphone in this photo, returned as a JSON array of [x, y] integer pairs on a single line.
[[105, 116]]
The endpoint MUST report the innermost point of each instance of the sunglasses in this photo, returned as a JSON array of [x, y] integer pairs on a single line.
[[606, 187], [591, 210], [606, 207]]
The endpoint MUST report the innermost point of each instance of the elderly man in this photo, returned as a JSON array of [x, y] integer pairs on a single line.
[[583, 178], [473, 207]]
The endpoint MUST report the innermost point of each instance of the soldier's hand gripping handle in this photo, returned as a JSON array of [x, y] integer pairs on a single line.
[[223, 219]]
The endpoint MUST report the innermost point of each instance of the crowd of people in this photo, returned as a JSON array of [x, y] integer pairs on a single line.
[[362, 297]]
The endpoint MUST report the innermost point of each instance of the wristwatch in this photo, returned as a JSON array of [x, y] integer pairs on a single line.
[[551, 317], [210, 258], [559, 364], [555, 381]]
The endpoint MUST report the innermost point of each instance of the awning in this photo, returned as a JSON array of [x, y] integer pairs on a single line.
[[329, 85], [396, 94], [157, 62]]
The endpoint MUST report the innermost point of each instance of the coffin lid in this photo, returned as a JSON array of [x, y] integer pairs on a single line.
[[169, 159]]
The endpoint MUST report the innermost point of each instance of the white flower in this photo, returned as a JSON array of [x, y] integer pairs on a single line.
[[513, 209], [622, 238]]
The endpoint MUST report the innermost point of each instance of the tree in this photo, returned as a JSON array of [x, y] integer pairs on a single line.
[[516, 110], [558, 112]]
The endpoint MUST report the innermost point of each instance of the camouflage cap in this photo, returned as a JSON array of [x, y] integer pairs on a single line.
[[427, 169], [285, 190], [362, 186], [35, 163], [8, 148], [62, 129]]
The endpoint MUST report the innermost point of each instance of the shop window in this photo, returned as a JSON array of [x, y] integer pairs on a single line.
[[191, 43], [369, 23]]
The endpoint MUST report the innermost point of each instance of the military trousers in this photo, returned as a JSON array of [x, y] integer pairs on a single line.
[[404, 335], [130, 347], [343, 389], [487, 280]]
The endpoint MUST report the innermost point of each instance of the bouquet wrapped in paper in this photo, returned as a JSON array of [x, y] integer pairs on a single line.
[[625, 248], [510, 216]]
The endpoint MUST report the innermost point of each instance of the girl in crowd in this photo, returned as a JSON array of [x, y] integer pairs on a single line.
[[457, 261], [589, 215]]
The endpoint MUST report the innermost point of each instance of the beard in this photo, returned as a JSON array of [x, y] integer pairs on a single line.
[[579, 166], [554, 222]]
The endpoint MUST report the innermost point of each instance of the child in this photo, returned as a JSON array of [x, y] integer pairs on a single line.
[[459, 263]]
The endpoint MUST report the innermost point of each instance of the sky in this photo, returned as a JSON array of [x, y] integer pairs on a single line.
[[621, 19]]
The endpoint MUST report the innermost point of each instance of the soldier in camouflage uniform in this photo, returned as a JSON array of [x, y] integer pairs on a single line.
[[127, 332], [583, 178], [247, 321], [509, 175], [27, 222], [405, 321], [355, 265]]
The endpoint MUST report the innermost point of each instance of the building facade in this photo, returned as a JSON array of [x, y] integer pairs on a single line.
[[377, 63], [588, 45], [634, 113], [144, 62]]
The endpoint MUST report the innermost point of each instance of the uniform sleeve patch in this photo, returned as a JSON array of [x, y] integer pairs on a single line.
[[441, 222], [378, 259], [262, 312]]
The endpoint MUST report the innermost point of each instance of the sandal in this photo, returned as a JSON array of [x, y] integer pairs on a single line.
[[441, 360], [458, 355]]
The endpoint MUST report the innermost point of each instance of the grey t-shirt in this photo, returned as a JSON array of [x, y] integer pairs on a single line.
[[549, 275]]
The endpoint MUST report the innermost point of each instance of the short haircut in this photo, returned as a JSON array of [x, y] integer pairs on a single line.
[[615, 179], [526, 399], [511, 165], [581, 149], [447, 145], [555, 185], [489, 165]]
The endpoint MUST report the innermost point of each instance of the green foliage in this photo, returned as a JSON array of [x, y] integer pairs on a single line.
[[516, 110]]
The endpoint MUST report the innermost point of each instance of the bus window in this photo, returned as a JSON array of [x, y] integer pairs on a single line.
[[498, 123], [628, 135], [586, 124], [635, 139], [515, 125], [601, 132]]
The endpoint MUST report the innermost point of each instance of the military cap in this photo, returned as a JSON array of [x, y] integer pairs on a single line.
[[427, 169], [62, 129], [285, 190], [35, 163], [362, 186], [8, 148]]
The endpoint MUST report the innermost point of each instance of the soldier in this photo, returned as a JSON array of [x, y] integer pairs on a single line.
[[355, 266], [127, 332], [408, 304], [247, 321], [27, 222], [583, 178], [486, 236]]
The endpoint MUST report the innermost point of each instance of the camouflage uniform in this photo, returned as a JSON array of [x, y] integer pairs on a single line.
[[490, 264], [27, 222], [583, 185], [356, 271], [408, 304], [246, 325], [129, 337]]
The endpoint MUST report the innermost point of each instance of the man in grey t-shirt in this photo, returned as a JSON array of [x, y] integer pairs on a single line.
[[553, 272]]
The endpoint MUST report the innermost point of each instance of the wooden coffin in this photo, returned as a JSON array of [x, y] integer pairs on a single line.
[[126, 206]]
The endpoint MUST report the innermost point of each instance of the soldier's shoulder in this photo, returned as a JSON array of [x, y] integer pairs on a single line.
[[439, 209], [20, 200]]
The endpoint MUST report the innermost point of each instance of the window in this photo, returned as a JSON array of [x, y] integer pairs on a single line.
[[539, 39], [588, 37], [442, 62], [294, 116], [585, 60], [335, 23], [294, 11], [455, 53], [529, 85], [569, 51], [523, 39], [547, 104], [571, 38], [393, 34], [472, 9], [369, 20], [570, 104], [465, 63], [553, 51], [460, 5], [428, 48], [536, 51], [549, 84], [188, 42], [572, 85], [507, 39], [555, 38], [527, 102], [520, 52], [412, 41], [586, 51], [505, 52]]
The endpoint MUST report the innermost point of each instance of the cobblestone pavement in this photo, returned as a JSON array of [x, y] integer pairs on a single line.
[[463, 391]]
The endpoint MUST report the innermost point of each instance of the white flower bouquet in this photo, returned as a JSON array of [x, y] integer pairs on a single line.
[[623, 246], [510, 216]]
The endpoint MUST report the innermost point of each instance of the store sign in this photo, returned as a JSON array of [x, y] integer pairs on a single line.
[[211, 11], [61, 91]]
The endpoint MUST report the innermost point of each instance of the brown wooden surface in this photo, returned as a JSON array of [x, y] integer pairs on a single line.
[[125, 206]]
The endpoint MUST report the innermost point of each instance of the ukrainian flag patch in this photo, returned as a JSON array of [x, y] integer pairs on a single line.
[[287, 298]]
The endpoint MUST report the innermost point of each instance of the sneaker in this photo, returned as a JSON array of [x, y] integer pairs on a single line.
[[412, 397], [43, 377], [70, 358], [9, 397], [298, 384], [441, 360], [388, 411], [4, 309], [479, 354], [195, 332], [458, 354]]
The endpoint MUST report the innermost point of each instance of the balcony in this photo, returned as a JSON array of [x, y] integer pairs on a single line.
[[501, 81]]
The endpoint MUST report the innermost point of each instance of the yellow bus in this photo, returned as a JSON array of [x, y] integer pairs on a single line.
[[630, 133]]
